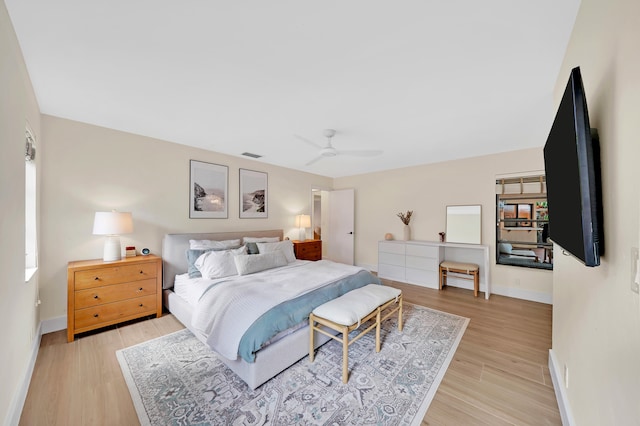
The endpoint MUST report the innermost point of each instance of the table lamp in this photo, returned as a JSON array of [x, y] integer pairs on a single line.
[[112, 224], [303, 221]]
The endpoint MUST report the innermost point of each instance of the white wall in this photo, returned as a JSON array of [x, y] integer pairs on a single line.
[[427, 190], [89, 168], [596, 316], [18, 313]]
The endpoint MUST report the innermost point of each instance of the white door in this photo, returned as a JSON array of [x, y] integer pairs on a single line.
[[339, 240]]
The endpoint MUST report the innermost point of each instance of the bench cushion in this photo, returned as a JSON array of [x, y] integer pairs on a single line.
[[351, 307], [469, 267]]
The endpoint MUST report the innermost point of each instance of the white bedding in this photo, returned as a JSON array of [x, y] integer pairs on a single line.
[[225, 308]]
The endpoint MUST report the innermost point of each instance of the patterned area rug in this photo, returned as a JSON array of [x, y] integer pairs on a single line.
[[177, 380]]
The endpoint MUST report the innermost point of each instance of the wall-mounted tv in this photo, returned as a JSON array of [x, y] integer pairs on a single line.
[[572, 168]]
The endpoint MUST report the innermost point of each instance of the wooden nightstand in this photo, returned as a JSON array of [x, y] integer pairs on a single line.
[[307, 249], [104, 293]]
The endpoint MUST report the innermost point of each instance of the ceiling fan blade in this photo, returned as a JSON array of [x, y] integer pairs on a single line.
[[314, 160], [313, 144], [362, 153]]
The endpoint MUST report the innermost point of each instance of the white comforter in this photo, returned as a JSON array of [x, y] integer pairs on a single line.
[[228, 306]]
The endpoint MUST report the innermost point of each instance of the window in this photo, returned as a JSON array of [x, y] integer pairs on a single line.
[[522, 221], [31, 239]]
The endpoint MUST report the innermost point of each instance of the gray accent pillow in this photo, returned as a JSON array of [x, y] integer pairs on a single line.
[[251, 263], [505, 248], [252, 248]]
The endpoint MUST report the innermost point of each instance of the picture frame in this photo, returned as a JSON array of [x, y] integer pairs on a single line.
[[208, 190], [254, 194]]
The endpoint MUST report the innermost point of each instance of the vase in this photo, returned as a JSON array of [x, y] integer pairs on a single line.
[[407, 232]]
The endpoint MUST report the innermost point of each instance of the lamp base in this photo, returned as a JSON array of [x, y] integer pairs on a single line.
[[112, 249], [302, 235]]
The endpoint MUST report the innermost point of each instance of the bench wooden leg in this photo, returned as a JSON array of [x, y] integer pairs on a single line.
[[345, 354], [476, 283], [378, 330], [312, 331], [400, 314]]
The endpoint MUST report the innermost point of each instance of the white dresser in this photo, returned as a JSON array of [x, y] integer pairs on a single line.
[[417, 262]]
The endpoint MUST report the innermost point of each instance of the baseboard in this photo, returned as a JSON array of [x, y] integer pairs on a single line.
[[54, 324], [17, 402], [561, 393], [518, 293]]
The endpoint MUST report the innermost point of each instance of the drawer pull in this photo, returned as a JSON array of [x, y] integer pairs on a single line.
[[96, 278], [141, 305], [95, 297], [140, 289], [95, 315], [142, 272]]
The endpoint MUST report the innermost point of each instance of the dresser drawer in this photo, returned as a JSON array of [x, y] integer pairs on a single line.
[[114, 275], [114, 293], [112, 313], [395, 248], [423, 250], [391, 259], [391, 272], [424, 263]]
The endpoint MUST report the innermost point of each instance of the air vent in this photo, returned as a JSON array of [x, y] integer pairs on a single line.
[[249, 154]]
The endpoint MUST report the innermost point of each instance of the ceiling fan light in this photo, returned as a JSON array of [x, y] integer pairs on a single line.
[[328, 152]]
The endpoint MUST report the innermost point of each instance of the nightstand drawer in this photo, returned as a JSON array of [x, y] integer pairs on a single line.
[[113, 293], [114, 275], [112, 313], [308, 250]]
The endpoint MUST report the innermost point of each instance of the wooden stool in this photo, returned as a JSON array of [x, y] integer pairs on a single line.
[[461, 268], [347, 312]]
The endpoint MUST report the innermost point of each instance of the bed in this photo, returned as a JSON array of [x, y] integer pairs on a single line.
[[283, 349], [507, 250]]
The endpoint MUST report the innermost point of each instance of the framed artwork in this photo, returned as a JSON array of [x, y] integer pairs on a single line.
[[208, 191], [254, 195]]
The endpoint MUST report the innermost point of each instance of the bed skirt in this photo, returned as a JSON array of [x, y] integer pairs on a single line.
[[270, 360]]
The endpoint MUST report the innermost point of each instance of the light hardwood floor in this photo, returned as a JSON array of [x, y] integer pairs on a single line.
[[499, 374]]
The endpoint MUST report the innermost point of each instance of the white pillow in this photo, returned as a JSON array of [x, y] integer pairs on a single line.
[[285, 246], [251, 263], [246, 240], [211, 244], [219, 264]]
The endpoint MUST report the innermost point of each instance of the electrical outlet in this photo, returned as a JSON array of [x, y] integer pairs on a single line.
[[635, 270], [566, 376]]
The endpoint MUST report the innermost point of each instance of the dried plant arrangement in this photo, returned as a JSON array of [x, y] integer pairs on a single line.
[[405, 218]]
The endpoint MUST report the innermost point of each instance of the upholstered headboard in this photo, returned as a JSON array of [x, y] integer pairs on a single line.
[[174, 260]]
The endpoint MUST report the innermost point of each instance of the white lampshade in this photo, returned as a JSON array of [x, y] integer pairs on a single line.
[[303, 221], [112, 224]]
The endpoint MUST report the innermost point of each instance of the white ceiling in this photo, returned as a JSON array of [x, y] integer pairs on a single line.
[[424, 81]]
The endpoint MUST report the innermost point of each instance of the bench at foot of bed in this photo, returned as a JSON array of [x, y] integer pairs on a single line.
[[345, 314]]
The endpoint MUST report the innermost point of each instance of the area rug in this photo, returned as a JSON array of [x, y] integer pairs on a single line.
[[178, 380]]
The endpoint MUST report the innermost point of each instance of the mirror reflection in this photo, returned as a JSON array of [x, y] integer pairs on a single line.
[[464, 224]]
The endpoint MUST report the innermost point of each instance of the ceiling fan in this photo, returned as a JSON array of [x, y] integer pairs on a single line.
[[329, 151]]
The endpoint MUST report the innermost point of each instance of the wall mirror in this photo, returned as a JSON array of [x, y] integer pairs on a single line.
[[464, 224]]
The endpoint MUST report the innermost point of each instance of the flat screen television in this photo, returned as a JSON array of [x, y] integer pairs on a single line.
[[572, 168]]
